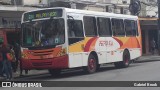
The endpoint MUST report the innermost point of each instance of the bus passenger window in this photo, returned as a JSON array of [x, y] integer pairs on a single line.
[[136, 28], [75, 28], [133, 24], [75, 31], [90, 26], [118, 27], [130, 27], [104, 26]]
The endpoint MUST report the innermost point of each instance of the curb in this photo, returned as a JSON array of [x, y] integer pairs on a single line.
[[150, 58]]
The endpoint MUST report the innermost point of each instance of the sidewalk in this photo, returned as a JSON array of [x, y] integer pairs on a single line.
[[149, 58], [30, 73]]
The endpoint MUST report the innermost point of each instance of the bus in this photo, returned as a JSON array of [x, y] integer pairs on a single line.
[[62, 38]]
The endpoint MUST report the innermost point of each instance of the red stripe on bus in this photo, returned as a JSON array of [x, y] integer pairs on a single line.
[[119, 41], [88, 44]]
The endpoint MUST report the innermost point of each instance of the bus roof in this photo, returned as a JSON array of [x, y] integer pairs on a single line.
[[87, 12], [98, 13]]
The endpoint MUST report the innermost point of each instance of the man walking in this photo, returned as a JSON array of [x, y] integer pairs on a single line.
[[6, 63]]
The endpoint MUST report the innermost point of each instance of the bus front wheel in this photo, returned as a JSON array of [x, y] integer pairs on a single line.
[[55, 72], [92, 65]]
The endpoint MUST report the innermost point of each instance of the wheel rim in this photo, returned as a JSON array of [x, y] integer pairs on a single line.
[[92, 64]]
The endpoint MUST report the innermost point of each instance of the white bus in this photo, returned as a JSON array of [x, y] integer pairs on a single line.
[[61, 38]]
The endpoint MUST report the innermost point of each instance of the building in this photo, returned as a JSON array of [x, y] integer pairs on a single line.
[[11, 2], [149, 8], [115, 6], [11, 11], [10, 21], [149, 23]]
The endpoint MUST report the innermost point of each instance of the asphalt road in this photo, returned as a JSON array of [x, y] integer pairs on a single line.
[[139, 71]]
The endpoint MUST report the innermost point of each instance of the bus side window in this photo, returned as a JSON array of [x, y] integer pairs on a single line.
[[128, 27], [136, 28], [118, 27], [75, 31], [133, 25], [75, 28], [104, 26], [131, 28], [71, 28], [90, 26]]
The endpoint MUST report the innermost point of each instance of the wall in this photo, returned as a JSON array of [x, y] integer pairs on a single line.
[[149, 8], [10, 19], [35, 2], [93, 8], [6, 1]]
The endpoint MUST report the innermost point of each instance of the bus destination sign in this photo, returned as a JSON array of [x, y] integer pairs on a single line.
[[42, 14]]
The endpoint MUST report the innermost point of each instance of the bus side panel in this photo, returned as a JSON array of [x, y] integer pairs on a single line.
[[108, 50], [130, 43], [114, 56], [135, 53], [79, 52], [78, 59], [75, 60]]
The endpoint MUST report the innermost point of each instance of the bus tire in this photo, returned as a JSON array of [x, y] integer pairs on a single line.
[[55, 72], [92, 65], [126, 61]]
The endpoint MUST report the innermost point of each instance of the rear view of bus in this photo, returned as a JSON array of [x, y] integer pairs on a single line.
[[43, 40]]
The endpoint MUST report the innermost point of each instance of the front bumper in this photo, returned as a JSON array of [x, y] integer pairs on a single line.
[[54, 63]]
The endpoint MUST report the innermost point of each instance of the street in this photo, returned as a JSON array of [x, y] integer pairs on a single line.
[[143, 70], [80, 34], [138, 71]]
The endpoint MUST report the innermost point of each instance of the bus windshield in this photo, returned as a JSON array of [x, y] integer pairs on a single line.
[[43, 33]]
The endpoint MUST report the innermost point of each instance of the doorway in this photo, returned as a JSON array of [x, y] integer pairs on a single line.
[[144, 42], [153, 34]]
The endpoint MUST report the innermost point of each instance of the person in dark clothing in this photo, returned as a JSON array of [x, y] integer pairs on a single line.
[[17, 53], [4, 49], [1, 68], [152, 46], [18, 59], [14, 67], [1, 63]]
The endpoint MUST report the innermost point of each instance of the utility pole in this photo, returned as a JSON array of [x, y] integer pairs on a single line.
[[158, 42], [131, 1]]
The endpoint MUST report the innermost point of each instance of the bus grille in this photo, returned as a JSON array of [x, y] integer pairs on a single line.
[[39, 53], [42, 63]]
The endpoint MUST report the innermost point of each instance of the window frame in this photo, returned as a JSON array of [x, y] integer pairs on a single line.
[[124, 33], [81, 28], [109, 30], [134, 33], [95, 26]]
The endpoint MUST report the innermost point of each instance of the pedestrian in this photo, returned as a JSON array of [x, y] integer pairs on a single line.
[[7, 68], [13, 59], [20, 61], [17, 55], [152, 46], [1, 66]]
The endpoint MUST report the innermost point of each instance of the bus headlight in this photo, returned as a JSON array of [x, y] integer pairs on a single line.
[[23, 55], [62, 52]]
